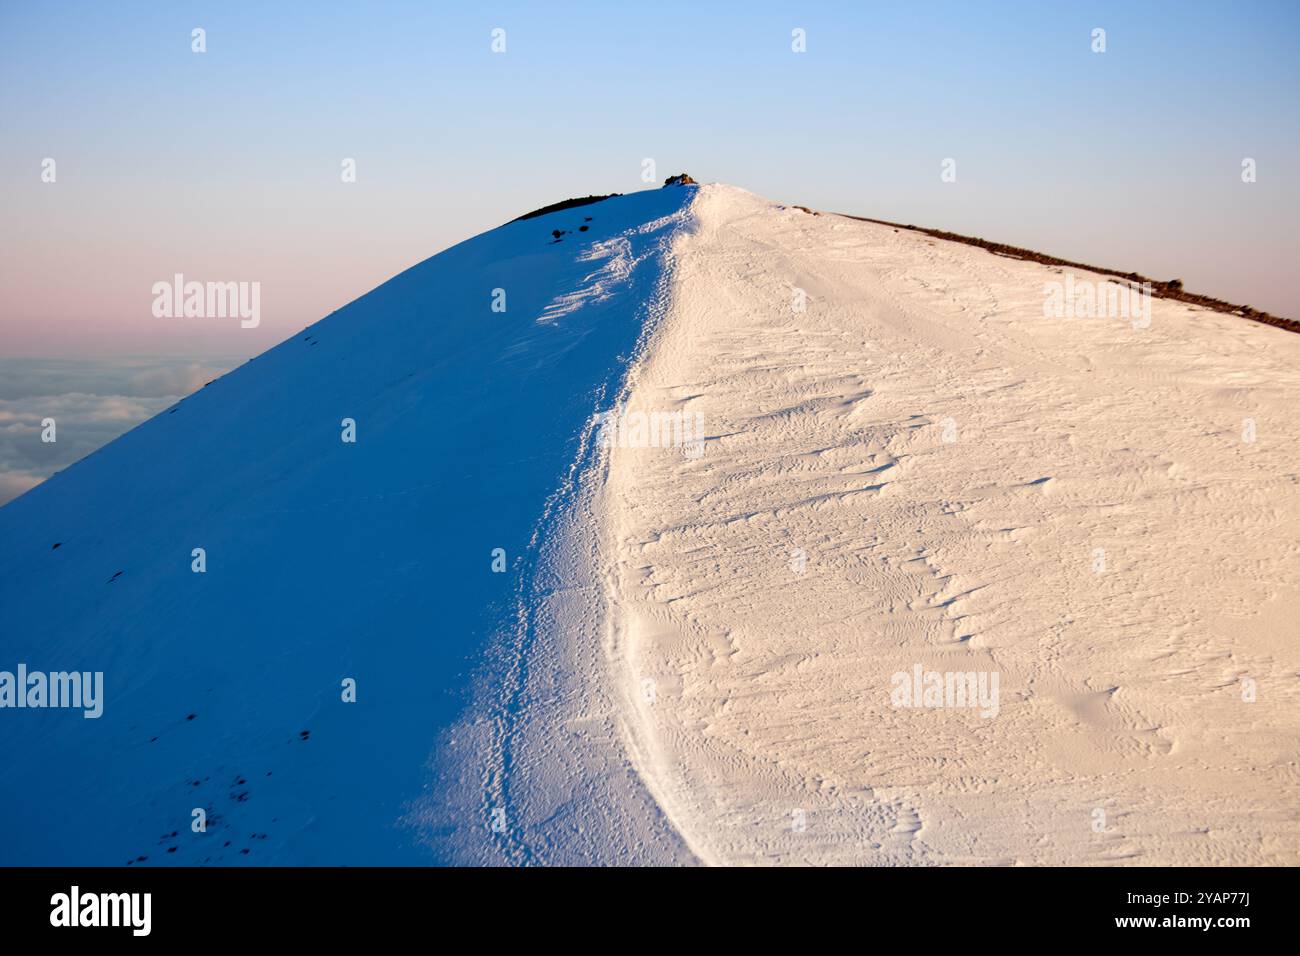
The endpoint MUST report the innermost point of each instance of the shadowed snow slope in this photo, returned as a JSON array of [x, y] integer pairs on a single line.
[[325, 560]]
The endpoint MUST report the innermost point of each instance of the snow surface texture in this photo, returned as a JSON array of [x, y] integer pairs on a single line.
[[1069, 503], [917, 468], [690, 656]]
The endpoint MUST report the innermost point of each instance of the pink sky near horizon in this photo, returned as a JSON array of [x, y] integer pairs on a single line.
[[225, 166], [83, 286]]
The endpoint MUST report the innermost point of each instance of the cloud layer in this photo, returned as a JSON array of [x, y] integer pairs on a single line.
[[91, 401]]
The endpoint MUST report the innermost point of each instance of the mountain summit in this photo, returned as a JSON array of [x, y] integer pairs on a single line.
[[366, 496]]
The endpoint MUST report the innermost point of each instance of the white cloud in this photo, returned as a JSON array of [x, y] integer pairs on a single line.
[[91, 401]]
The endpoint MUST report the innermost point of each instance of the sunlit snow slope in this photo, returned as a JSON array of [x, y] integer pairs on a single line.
[[326, 560], [907, 463]]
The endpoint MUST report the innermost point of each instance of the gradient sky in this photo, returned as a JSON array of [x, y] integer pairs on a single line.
[[226, 165]]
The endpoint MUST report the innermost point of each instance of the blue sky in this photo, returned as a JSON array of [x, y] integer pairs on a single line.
[[226, 164]]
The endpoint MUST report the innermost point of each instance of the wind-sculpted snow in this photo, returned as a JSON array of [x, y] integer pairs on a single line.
[[326, 561], [616, 260], [956, 578]]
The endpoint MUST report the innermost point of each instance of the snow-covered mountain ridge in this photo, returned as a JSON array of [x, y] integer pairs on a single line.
[[652, 500]]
